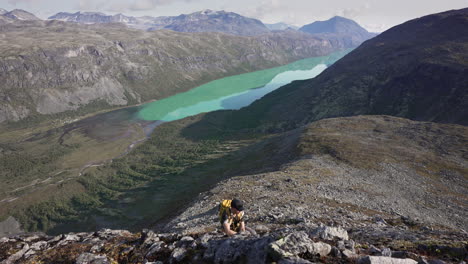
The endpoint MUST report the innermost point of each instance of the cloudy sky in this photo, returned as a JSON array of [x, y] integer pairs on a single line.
[[375, 15]]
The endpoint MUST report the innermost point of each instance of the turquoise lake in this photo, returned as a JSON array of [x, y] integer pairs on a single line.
[[233, 92]]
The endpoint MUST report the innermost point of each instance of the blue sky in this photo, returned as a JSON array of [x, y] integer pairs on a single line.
[[375, 15]]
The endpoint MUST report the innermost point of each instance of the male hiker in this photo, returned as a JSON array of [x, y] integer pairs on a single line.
[[231, 216]]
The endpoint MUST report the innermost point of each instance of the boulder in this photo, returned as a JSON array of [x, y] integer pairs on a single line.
[[203, 240], [88, 258], [335, 252], [323, 249], [179, 254], [349, 254], [374, 251], [384, 260], [148, 237], [293, 261], [297, 243], [155, 248], [185, 241], [109, 233], [329, 233], [18, 255], [291, 246], [436, 261], [39, 245], [261, 229], [386, 252], [235, 250]]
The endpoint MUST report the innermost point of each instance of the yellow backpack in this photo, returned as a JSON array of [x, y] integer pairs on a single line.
[[224, 206]]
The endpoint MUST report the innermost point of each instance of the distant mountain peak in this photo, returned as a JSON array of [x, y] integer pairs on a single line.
[[207, 12], [337, 25], [3, 11], [19, 14]]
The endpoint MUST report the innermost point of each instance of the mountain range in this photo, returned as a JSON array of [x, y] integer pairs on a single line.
[[109, 64], [202, 21]]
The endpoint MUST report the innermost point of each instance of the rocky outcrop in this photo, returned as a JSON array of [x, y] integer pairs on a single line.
[[65, 67], [120, 246]]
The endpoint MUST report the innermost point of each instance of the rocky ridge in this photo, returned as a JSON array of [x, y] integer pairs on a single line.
[[294, 244], [217, 21], [202, 21]]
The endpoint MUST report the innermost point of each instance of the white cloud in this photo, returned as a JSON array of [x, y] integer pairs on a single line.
[[17, 2], [354, 12], [121, 5]]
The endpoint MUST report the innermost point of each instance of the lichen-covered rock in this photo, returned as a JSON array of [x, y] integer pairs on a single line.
[[233, 250], [291, 246], [179, 254], [18, 255], [294, 261], [329, 233], [88, 258], [384, 260]]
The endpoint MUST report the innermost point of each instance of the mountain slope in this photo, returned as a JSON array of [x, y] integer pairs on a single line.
[[64, 66], [341, 28], [218, 21], [335, 24], [19, 14], [417, 70]]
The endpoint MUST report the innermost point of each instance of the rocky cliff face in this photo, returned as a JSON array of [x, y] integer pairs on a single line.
[[64, 67]]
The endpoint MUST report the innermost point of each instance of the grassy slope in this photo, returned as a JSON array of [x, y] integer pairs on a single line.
[[416, 70], [166, 164]]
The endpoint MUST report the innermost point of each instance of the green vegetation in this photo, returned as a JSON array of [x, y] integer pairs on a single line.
[[178, 161]]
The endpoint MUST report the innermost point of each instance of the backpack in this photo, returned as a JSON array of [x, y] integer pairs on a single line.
[[224, 206]]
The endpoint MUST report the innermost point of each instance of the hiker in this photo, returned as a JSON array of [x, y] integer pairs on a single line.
[[231, 216]]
